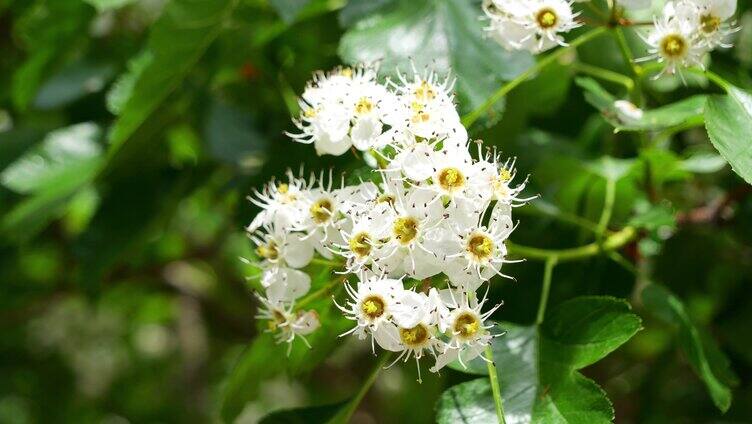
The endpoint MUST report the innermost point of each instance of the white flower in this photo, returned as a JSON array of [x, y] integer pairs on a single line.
[[370, 305], [285, 323], [709, 20], [280, 203], [342, 109], [674, 41], [412, 216], [498, 177], [423, 108], [326, 209], [450, 174], [279, 248], [533, 25], [281, 254], [412, 331], [472, 255], [466, 328], [361, 242]]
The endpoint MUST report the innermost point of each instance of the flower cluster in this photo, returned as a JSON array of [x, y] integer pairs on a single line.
[[683, 33], [688, 29], [421, 240]]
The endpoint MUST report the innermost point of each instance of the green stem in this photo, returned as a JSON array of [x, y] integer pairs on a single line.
[[495, 385], [608, 206], [712, 76], [473, 116], [612, 242], [604, 74], [547, 272], [346, 413], [318, 293], [327, 262], [541, 208]]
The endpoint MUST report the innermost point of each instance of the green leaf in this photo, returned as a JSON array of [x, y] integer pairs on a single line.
[[307, 415], [50, 30], [703, 354], [68, 153], [468, 403], [356, 10], [289, 9], [704, 163], [176, 43], [728, 120], [121, 90], [65, 161], [537, 366], [689, 110], [72, 83], [442, 34]]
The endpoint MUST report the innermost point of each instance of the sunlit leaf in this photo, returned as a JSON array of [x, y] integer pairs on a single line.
[[177, 41], [728, 120], [442, 34], [71, 152]]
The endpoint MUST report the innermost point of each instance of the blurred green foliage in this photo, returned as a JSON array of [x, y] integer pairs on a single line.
[[132, 130]]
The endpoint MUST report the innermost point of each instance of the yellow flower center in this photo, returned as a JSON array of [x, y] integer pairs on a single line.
[[321, 211], [277, 319], [414, 337], [309, 112], [425, 92], [709, 23], [419, 114], [346, 72], [285, 195], [467, 325], [385, 198], [480, 246], [673, 46], [405, 229], [451, 179], [373, 307], [268, 251], [363, 106], [546, 18], [360, 244]]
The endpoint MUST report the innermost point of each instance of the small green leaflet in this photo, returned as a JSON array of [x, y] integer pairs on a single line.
[[538, 366]]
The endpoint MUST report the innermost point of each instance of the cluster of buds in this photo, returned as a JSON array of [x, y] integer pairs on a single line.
[[420, 242]]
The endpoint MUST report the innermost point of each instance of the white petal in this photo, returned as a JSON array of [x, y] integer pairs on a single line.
[[297, 252]]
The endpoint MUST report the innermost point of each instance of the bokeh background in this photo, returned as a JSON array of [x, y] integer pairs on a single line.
[[131, 132]]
